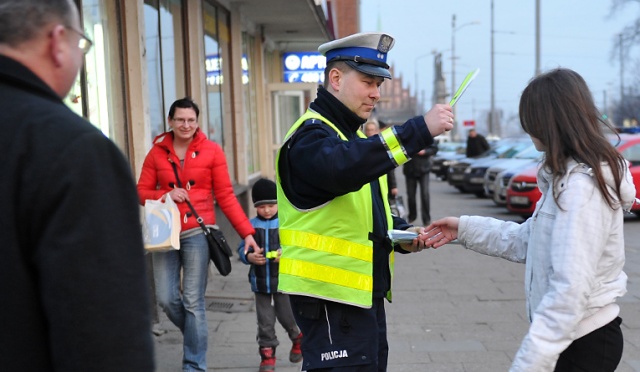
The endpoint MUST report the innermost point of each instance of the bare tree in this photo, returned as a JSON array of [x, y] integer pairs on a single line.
[[628, 108], [629, 35]]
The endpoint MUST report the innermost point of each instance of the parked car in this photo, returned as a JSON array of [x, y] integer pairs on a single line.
[[523, 192], [457, 168], [494, 186], [474, 174], [447, 151], [501, 183]]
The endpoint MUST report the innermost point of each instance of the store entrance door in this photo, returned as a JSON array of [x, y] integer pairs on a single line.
[[288, 102]]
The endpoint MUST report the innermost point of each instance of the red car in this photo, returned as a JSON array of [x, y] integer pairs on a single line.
[[523, 192]]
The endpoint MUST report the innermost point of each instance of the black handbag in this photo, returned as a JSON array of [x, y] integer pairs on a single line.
[[219, 250]]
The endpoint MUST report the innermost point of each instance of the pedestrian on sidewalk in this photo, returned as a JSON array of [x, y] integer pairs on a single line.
[[72, 275], [573, 245], [337, 261], [416, 174], [263, 276], [185, 166], [476, 144]]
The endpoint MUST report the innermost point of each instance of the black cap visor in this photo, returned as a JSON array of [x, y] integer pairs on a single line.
[[368, 69]]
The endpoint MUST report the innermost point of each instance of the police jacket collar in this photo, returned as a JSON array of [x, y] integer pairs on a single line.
[[327, 105]]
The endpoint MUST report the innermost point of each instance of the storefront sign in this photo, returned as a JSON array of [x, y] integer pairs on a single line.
[[213, 67], [304, 67]]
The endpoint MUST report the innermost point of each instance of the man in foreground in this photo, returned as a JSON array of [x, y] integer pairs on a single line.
[[72, 276]]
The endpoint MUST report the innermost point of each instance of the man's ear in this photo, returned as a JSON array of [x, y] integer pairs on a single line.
[[335, 76], [58, 46]]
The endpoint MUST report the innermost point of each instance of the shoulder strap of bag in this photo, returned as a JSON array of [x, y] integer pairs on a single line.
[[198, 218]]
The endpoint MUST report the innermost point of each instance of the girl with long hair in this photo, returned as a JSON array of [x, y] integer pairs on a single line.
[[573, 244]]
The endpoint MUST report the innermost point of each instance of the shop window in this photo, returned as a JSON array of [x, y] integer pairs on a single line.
[[164, 39], [97, 92], [249, 90], [217, 51]]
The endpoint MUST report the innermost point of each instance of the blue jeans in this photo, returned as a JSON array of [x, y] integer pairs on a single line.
[[186, 311]]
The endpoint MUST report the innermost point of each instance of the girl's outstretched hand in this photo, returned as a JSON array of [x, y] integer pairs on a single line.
[[440, 232]]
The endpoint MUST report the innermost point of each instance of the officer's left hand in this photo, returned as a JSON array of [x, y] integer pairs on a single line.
[[418, 244]]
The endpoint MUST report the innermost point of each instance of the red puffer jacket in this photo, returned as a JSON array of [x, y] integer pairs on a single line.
[[204, 170]]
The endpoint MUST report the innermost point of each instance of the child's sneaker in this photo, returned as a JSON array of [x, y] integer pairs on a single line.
[[296, 353], [268, 355]]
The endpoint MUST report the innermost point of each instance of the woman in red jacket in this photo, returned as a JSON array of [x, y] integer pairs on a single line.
[[203, 173]]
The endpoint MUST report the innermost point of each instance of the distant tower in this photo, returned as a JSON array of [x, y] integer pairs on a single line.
[[439, 83]]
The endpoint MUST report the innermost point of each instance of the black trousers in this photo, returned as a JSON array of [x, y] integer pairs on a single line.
[[598, 351], [425, 207]]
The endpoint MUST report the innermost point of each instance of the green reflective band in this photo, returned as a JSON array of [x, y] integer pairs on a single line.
[[395, 150], [326, 244], [326, 274]]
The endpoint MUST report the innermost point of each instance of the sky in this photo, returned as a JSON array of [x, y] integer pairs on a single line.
[[575, 34]]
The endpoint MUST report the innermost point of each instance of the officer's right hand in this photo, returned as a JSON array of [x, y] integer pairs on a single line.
[[439, 119]]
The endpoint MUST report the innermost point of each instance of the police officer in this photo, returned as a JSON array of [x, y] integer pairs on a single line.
[[334, 214]]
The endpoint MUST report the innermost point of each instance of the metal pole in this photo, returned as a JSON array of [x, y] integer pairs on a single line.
[[418, 108], [493, 84], [621, 73], [454, 131], [537, 37]]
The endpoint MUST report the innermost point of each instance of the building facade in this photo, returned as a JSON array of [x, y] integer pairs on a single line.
[[225, 54]]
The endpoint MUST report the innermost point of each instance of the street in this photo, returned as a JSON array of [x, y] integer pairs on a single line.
[[453, 309]]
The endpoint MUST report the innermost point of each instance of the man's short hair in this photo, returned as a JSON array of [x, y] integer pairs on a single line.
[[340, 65], [185, 102], [20, 20]]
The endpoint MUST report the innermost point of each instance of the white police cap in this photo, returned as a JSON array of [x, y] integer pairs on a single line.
[[365, 52]]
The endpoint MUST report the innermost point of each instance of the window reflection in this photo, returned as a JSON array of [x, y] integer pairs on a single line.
[[165, 58], [95, 94], [217, 51], [250, 111]]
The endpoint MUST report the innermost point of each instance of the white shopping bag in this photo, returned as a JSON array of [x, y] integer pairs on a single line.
[[161, 225]]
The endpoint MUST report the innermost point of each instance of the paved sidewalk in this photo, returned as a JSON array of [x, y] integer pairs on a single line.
[[453, 310]]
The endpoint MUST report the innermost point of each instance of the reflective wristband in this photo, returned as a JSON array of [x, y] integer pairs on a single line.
[[395, 150]]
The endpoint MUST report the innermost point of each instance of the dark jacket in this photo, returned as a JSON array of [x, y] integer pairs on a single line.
[[263, 278], [72, 274], [476, 145], [318, 166], [420, 164], [391, 180]]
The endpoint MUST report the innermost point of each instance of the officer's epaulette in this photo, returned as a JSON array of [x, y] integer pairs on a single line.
[[312, 122]]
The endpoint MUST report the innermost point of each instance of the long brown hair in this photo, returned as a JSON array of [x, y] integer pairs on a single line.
[[557, 108]]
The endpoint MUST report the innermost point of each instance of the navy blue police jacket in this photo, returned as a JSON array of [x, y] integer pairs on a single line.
[[317, 166]]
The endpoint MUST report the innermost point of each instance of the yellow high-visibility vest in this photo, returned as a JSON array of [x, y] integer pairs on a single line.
[[326, 251]]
